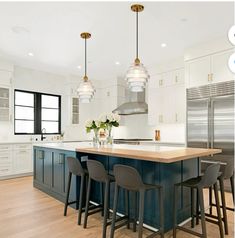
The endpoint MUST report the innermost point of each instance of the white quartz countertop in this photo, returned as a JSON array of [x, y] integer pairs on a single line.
[[74, 146]]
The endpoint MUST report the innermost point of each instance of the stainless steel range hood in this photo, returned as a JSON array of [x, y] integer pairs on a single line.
[[136, 105]]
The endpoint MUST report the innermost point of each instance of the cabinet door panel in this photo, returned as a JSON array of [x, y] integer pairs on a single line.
[[47, 168], [198, 71], [58, 165], [220, 69], [38, 165], [22, 161]]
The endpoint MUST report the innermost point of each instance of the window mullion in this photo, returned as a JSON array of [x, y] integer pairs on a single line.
[[38, 115]]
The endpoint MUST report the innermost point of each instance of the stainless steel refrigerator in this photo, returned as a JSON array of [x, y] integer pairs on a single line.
[[210, 119]]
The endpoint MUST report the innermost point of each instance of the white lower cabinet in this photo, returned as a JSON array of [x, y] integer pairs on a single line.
[[5, 160], [15, 159]]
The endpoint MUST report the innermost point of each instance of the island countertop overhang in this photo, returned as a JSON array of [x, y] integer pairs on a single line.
[[168, 156], [154, 153]]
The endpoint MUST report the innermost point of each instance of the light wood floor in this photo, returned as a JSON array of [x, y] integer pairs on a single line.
[[25, 212]]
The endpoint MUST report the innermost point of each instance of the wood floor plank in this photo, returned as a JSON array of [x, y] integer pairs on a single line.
[[29, 213]]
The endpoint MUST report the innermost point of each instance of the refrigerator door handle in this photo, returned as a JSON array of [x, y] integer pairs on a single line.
[[208, 124], [212, 124]]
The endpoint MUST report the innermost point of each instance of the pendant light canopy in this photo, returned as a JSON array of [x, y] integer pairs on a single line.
[[85, 90], [137, 75]]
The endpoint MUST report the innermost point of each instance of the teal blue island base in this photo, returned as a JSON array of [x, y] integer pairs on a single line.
[[51, 172]]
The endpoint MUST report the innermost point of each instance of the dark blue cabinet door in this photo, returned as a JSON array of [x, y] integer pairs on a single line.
[[38, 165], [47, 168], [58, 172]]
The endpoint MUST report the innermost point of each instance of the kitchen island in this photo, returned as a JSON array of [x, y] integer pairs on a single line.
[[157, 165]]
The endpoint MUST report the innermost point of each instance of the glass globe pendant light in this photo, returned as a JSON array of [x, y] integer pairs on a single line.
[[85, 90], [137, 75]]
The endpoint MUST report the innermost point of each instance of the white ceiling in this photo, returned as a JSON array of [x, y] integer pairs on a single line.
[[52, 33]]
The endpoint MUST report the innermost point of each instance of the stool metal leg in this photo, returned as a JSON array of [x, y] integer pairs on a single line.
[[87, 202], [161, 205], [218, 210], [141, 213], [106, 208], [222, 193], [135, 210], [210, 200], [80, 199], [192, 207], [67, 194], [115, 202], [232, 186], [197, 208], [202, 209], [175, 210], [127, 205], [102, 198]]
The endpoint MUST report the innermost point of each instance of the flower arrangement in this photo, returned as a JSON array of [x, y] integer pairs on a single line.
[[106, 122]]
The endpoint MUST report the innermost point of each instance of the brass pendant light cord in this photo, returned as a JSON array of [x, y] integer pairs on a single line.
[[137, 36], [85, 59]]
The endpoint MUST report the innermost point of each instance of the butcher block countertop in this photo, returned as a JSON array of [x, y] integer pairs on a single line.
[[150, 152], [163, 154]]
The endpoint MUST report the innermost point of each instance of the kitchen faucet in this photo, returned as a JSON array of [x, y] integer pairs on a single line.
[[43, 132]]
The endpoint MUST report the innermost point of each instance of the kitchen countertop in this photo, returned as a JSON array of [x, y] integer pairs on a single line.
[[155, 153]]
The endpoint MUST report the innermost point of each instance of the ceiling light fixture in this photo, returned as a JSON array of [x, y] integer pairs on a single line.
[[137, 75], [85, 90], [30, 54], [79, 67], [117, 63], [163, 45]]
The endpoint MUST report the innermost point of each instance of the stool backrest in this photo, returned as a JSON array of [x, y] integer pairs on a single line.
[[228, 169], [127, 177], [97, 171], [210, 176], [75, 166]]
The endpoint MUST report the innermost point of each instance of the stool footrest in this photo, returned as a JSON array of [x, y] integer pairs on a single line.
[[189, 231], [228, 208]]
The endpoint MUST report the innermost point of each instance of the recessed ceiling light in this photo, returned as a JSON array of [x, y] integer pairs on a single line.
[[117, 63], [163, 45], [184, 19], [79, 67], [30, 54]]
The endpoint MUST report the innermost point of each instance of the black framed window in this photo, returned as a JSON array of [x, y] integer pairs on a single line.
[[35, 112]]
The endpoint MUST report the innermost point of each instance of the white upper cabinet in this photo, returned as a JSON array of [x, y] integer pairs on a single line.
[[208, 69], [166, 98], [199, 71], [219, 67]]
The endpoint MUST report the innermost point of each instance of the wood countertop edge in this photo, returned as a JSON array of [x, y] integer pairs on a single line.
[[152, 156]]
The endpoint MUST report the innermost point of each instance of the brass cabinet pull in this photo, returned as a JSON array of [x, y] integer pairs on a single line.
[[208, 77], [211, 77]]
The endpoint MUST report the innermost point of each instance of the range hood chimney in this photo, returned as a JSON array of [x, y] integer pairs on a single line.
[[136, 105]]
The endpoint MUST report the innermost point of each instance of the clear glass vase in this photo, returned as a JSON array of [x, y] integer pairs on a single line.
[[96, 138], [109, 139]]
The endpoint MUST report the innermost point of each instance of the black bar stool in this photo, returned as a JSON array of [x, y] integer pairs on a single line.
[[98, 173], [75, 168], [207, 180], [226, 172], [129, 179]]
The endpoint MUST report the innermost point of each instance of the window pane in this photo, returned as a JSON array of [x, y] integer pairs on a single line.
[[24, 113], [50, 114], [24, 126], [25, 99], [51, 127], [50, 101]]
